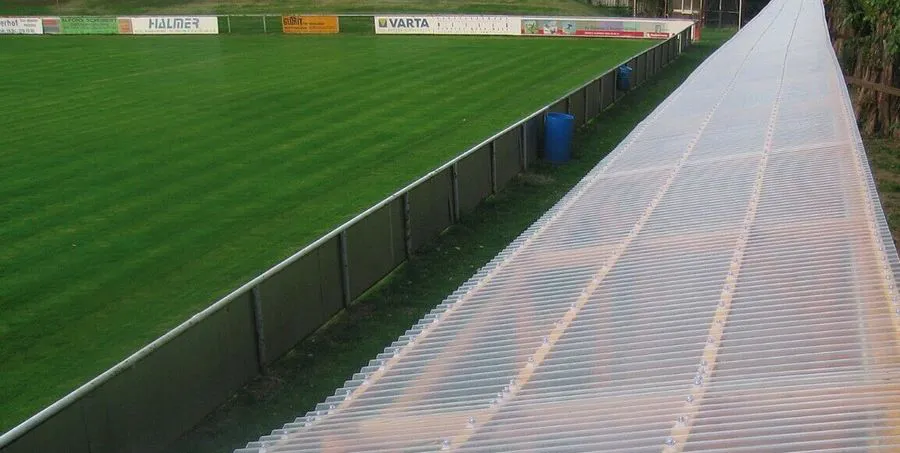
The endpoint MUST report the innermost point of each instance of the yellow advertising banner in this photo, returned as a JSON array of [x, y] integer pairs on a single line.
[[310, 24]]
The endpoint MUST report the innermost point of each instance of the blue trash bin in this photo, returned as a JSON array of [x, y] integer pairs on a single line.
[[558, 137], [624, 78]]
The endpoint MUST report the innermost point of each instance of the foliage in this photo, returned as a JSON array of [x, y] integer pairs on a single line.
[[866, 23], [866, 37]]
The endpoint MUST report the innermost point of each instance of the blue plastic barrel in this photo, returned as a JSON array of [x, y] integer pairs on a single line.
[[624, 78], [558, 137]]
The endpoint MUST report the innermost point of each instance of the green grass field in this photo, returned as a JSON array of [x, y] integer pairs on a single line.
[[884, 157], [144, 177]]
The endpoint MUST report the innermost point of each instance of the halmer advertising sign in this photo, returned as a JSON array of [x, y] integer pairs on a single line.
[[175, 25]]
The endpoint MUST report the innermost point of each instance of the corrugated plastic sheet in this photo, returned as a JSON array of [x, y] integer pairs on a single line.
[[724, 281]]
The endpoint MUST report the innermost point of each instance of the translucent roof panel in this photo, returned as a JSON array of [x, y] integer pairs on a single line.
[[723, 281]]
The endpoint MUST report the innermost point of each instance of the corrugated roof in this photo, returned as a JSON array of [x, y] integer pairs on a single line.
[[723, 281]]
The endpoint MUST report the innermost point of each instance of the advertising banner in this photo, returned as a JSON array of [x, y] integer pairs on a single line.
[[174, 25], [89, 25], [125, 25], [602, 28], [21, 26], [403, 24], [50, 25], [310, 24], [613, 28], [447, 25]]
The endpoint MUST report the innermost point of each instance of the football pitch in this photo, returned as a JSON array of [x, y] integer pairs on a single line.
[[145, 177]]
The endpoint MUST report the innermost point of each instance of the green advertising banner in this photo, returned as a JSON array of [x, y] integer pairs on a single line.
[[89, 25]]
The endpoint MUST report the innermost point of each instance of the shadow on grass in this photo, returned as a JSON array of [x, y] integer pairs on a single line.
[[320, 364]]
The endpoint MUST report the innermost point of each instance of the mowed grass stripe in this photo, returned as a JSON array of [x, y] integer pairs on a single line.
[[189, 169], [327, 132], [197, 165], [191, 185], [181, 167], [242, 132]]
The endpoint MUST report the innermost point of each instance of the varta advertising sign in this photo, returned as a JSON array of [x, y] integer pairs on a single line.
[[403, 24], [447, 25]]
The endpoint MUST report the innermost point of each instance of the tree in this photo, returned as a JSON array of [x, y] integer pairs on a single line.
[[866, 38]]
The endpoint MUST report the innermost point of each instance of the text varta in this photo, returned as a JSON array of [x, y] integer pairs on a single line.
[[418, 22], [174, 23]]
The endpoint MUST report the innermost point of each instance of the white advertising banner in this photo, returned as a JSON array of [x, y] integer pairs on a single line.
[[429, 24], [21, 26], [603, 27], [447, 25], [175, 25]]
